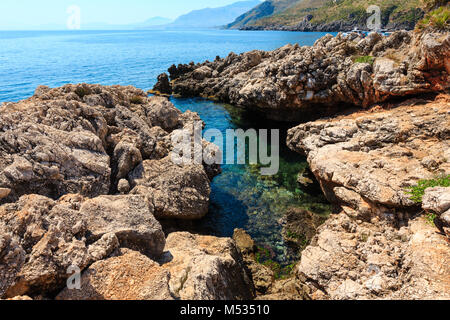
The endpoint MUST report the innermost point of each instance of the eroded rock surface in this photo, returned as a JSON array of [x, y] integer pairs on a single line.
[[379, 246], [175, 191], [365, 161], [84, 169], [192, 268], [205, 268], [352, 259], [42, 238], [294, 82], [128, 276], [83, 139]]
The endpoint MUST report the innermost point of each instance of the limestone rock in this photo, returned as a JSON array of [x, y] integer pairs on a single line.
[[130, 276], [436, 199], [350, 259], [297, 83], [205, 268], [129, 218], [175, 191], [243, 241], [41, 238], [192, 268], [366, 160]]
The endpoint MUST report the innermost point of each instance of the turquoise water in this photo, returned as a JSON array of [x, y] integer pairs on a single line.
[[240, 198]]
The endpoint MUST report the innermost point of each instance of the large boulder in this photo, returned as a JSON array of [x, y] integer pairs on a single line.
[[192, 268], [205, 268], [129, 276], [42, 238], [175, 191], [365, 161]]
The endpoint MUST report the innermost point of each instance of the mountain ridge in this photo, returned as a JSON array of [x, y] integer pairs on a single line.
[[213, 17], [327, 15]]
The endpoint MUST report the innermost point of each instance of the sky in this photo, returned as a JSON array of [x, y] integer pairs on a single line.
[[30, 14]]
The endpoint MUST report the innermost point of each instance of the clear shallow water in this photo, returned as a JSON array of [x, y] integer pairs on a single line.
[[240, 198]]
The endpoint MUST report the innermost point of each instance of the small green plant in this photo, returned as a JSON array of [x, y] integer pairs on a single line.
[[137, 99], [418, 191], [430, 217], [364, 237], [436, 19], [364, 59], [82, 91], [293, 235]]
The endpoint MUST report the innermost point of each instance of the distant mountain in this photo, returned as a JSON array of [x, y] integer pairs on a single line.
[[213, 17], [155, 21], [265, 9], [327, 15]]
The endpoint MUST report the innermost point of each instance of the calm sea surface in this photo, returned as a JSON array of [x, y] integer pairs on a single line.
[[240, 198]]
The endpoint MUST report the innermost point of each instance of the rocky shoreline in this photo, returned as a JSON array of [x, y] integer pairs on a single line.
[[296, 83], [388, 128], [347, 25], [379, 245], [86, 175]]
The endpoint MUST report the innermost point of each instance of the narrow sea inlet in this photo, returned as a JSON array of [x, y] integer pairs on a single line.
[[241, 197]]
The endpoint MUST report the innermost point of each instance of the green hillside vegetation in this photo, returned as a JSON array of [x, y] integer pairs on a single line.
[[320, 12], [436, 19], [265, 9]]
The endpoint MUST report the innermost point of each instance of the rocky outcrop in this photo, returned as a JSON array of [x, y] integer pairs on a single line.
[[85, 139], [84, 170], [42, 238], [192, 268], [205, 268], [175, 191], [266, 285], [378, 247], [128, 276], [365, 161], [297, 83], [352, 259], [437, 200]]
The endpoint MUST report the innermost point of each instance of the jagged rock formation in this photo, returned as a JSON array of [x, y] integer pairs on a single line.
[[365, 161], [192, 268], [297, 83], [353, 259], [86, 138], [437, 200], [378, 246], [84, 170]]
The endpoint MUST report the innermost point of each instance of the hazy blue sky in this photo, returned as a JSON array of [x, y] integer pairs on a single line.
[[22, 14]]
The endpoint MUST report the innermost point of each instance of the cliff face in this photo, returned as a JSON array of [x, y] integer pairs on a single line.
[[379, 246], [292, 83], [366, 160], [321, 15]]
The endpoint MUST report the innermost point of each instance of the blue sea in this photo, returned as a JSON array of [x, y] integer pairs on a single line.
[[240, 198]]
